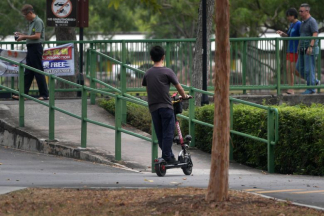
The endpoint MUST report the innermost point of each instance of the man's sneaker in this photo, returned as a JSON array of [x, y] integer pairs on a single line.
[[171, 160], [308, 92], [318, 82]]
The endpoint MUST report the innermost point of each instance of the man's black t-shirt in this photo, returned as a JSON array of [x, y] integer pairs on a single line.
[[157, 81]]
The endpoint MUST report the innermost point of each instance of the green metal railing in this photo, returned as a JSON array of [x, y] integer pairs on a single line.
[[272, 130], [121, 96], [84, 119], [257, 64]]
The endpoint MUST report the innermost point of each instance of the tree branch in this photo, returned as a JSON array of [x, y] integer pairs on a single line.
[[12, 6]]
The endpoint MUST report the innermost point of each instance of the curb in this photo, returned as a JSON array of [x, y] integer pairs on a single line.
[[293, 203], [17, 138]]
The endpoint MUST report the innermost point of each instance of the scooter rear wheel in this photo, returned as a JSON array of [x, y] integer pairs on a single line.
[[160, 169]]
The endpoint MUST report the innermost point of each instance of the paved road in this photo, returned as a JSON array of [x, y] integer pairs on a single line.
[[21, 169]]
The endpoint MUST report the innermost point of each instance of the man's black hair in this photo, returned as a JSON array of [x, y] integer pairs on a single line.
[[157, 52], [292, 12]]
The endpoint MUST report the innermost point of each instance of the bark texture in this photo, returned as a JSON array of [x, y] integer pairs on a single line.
[[218, 181], [196, 81], [67, 34]]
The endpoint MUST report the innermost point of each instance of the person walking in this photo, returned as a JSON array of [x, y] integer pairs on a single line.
[[308, 49], [157, 81], [34, 39], [292, 49]]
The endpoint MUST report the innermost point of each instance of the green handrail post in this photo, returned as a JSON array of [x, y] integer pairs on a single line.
[[21, 98], [123, 82], [118, 124], [191, 117], [84, 115], [93, 64], [167, 54], [319, 58], [154, 148], [278, 66], [271, 138], [51, 128], [12, 78], [88, 62], [231, 128], [244, 65]]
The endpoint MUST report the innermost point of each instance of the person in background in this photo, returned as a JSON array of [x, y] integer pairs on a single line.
[[34, 39], [308, 49], [157, 81], [292, 49]]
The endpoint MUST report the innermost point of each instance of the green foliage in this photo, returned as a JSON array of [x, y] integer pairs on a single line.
[[163, 19], [300, 149], [137, 115], [11, 18], [107, 20], [177, 19], [248, 16]]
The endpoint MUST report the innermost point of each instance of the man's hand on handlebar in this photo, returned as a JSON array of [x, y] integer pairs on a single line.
[[186, 98]]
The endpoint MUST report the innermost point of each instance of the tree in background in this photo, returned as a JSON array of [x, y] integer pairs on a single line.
[[164, 18], [250, 18], [12, 20], [197, 58]]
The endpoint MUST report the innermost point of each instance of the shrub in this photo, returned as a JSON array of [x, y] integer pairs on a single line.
[[137, 115], [300, 149]]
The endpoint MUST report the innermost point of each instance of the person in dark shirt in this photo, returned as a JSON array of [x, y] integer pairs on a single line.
[[157, 81], [308, 49]]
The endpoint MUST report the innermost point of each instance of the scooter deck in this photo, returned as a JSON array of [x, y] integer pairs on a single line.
[[172, 166]]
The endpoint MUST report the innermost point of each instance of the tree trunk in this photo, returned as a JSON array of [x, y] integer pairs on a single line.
[[67, 34], [218, 181], [196, 81]]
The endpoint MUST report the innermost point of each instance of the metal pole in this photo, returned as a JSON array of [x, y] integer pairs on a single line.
[[204, 99], [80, 77]]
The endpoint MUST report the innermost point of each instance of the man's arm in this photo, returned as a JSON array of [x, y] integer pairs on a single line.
[[36, 36], [315, 34], [311, 44], [181, 91]]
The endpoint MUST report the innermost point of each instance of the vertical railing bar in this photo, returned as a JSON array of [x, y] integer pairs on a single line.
[[118, 124], [51, 127], [154, 148], [231, 128], [84, 114], [244, 65], [191, 117], [21, 98], [278, 66]]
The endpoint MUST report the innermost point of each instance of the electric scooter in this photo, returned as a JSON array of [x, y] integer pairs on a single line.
[[184, 159]]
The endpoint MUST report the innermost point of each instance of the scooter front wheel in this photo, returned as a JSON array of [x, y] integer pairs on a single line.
[[160, 169], [188, 169]]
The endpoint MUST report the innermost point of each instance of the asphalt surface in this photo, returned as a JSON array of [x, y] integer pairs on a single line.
[[21, 169]]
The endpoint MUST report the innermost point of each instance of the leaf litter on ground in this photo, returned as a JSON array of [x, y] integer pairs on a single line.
[[154, 201]]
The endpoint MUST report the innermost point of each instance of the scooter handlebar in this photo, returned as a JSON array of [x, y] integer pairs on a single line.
[[177, 99]]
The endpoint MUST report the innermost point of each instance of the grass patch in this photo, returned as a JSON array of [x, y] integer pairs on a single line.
[[179, 201]]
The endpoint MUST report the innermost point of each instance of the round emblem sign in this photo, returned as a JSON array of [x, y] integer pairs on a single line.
[[61, 8]]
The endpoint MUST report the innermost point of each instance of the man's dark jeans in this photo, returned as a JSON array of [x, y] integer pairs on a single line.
[[164, 124]]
